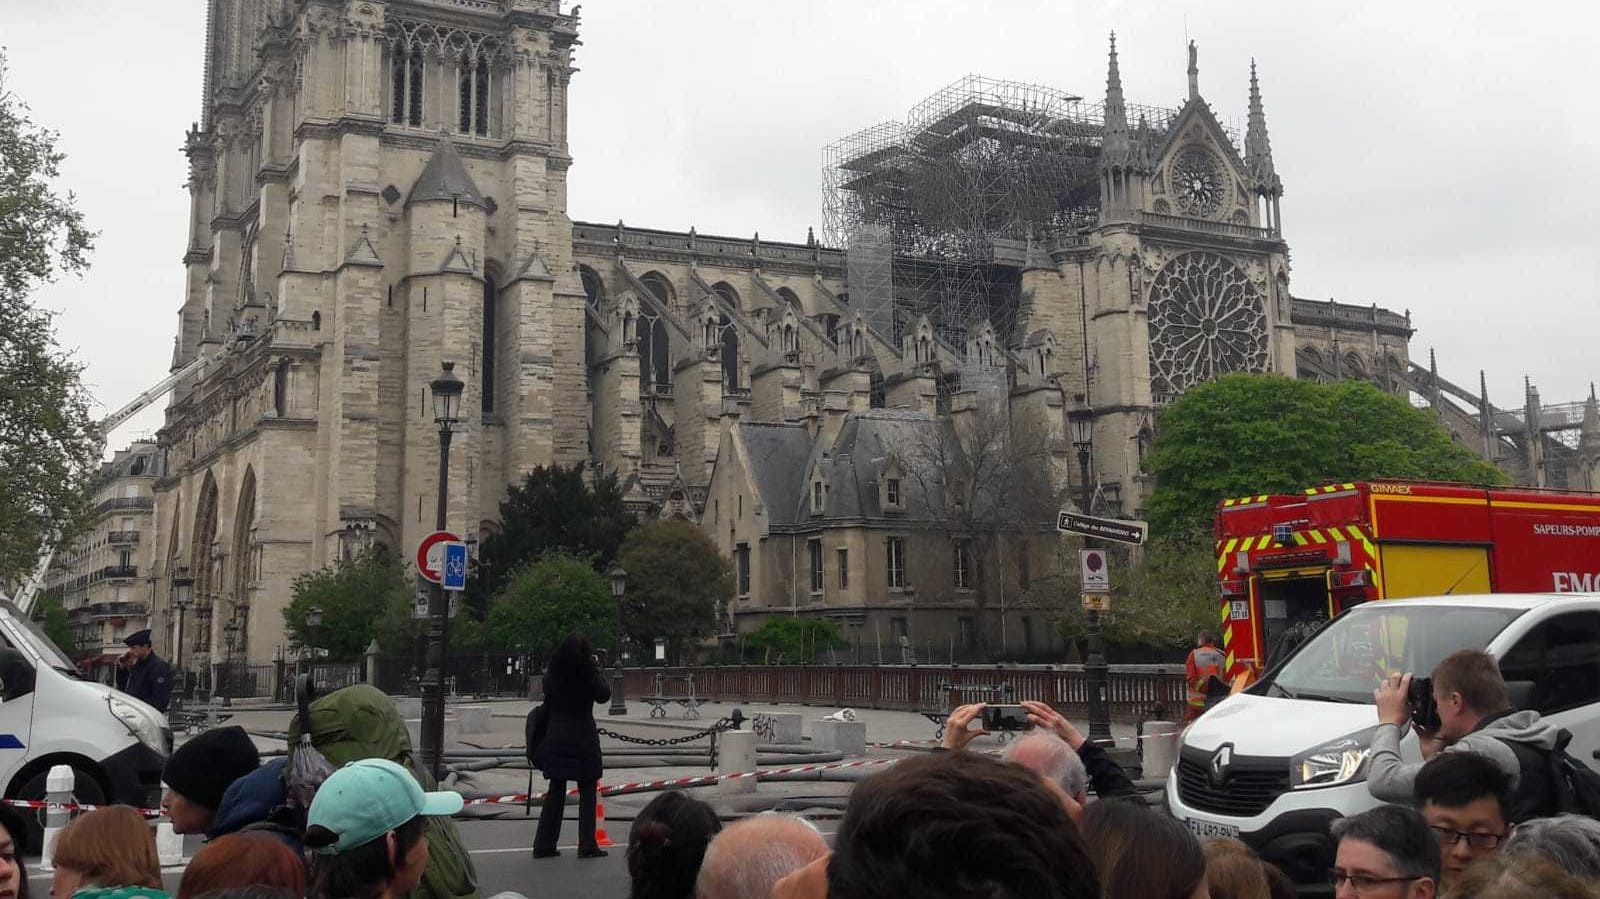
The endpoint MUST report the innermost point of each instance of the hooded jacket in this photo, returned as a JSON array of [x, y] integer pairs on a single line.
[[258, 801], [1391, 780]]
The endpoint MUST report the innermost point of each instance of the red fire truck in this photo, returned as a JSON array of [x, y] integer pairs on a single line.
[[1286, 562]]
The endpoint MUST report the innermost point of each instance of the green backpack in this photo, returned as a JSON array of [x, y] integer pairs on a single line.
[[361, 722]]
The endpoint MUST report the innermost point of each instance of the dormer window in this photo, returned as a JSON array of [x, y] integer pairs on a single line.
[[891, 492], [816, 497]]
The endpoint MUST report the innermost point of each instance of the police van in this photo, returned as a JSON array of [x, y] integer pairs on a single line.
[[49, 715], [1275, 764]]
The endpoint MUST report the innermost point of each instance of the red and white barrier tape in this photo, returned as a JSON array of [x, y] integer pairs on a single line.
[[71, 806]]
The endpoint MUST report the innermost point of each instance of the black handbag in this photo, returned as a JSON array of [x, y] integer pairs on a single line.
[[534, 729]]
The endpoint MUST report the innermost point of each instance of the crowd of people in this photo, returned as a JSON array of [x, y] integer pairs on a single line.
[[1053, 816]]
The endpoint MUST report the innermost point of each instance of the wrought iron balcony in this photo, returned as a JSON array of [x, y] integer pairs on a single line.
[[122, 538]]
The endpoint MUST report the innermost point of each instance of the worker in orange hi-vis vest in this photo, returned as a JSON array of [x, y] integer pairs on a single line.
[[1205, 662]]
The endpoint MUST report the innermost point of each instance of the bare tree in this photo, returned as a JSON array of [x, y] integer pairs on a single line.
[[991, 480]]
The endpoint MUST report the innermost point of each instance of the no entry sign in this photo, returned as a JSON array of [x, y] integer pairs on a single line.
[[430, 554]]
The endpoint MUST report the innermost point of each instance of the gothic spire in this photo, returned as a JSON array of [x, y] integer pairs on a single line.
[[1115, 149], [1194, 71], [1257, 146]]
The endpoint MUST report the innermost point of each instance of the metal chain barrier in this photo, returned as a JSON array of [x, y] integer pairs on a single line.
[[713, 730]]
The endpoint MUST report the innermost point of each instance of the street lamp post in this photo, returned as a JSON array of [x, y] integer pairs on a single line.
[[619, 585], [1081, 419], [230, 635], [182, 592], [313, 621], [447, 390]]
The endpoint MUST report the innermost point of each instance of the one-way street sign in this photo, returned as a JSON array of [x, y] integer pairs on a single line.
[[1114, 529]]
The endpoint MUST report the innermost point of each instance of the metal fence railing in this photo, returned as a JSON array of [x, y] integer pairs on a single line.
[[1135, 692]]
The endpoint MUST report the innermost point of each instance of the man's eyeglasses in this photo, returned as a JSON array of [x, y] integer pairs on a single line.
[[1448, 837], [1363, 882]]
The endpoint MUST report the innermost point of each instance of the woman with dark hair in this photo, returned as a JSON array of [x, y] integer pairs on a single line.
[[366, 827], [1141, 854], [13, 875], [666, 845], [570, 750]]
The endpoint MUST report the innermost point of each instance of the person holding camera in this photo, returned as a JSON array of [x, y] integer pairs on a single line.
[[1474, 714]]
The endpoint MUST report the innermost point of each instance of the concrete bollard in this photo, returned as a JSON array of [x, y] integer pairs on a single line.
[[169, 845], [781, 728], [57, 791], [1160, 748], [736, 751], [474, 719], [847, 737]]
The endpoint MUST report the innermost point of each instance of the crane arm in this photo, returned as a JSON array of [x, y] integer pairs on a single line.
[[28, 594]]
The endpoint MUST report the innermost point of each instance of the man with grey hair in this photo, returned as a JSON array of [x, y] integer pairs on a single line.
[[1049, 756], [748, 857], [1386, 853], [1571, 841]]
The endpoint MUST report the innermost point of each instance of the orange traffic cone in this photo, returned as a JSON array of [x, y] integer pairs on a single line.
[[601, 838]]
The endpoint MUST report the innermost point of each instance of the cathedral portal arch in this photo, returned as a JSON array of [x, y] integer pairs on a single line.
[[205, 564]]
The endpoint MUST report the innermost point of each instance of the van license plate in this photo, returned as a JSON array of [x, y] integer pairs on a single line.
[[1205, 829]]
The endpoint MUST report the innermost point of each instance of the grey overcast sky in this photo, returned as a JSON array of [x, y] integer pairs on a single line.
[[1442, 157]]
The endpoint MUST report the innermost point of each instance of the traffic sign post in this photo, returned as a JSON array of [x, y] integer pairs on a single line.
[[453, 574], [430, 553], [1094, 571], [1114, 529]]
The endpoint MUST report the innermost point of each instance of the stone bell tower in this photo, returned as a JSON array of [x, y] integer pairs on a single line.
[[377, 187]]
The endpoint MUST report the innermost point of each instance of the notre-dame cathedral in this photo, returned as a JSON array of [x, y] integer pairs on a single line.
[[380, 186]]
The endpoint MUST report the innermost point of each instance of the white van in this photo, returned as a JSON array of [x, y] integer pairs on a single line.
[[1275, 764], [115, 744]]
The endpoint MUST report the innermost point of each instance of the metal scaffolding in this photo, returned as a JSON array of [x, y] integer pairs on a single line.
[[973, 172]]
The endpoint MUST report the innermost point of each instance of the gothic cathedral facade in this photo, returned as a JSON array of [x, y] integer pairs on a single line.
[[380, 187]]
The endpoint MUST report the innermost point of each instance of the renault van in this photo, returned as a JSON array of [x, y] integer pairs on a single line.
[[1275, 764]]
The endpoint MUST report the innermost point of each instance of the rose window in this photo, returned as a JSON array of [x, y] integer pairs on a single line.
[[1206, 319]]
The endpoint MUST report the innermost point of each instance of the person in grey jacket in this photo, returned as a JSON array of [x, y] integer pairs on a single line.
[[1475, 715]]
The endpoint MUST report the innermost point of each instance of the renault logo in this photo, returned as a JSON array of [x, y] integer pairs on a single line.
[[1220, 760]]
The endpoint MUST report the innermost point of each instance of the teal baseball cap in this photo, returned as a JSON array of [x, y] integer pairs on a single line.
[[368, 798]]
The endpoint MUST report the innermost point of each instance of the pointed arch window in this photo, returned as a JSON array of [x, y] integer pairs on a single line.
[[730, 353], [473, 83], [405, 85]]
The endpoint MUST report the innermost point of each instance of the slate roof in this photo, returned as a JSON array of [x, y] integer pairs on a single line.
[[445, 177], [777, 453], [865, 447]]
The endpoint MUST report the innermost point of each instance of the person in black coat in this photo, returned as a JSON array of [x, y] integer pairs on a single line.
[[150, 678], [570, 748]]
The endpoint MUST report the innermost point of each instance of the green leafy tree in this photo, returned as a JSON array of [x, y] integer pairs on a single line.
[[676, 581], [361, 599], [555, 508], [1246, 434], [791, 639], [549, 598], [49, 447], [52, 616], [1160, 601]]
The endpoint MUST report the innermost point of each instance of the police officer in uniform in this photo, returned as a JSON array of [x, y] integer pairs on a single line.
[[150, 678]]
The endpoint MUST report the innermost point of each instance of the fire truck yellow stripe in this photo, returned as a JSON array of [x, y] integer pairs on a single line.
[[1227, 635], [1337, 534], [1347, 486], [1316, 537], [1230, 662], [1299, 539]]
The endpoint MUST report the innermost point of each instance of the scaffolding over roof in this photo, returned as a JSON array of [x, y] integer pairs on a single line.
[[973, 173]]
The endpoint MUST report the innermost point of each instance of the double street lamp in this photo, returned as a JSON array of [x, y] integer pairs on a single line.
[[1080, 419], [619, 586], [447, 390]]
